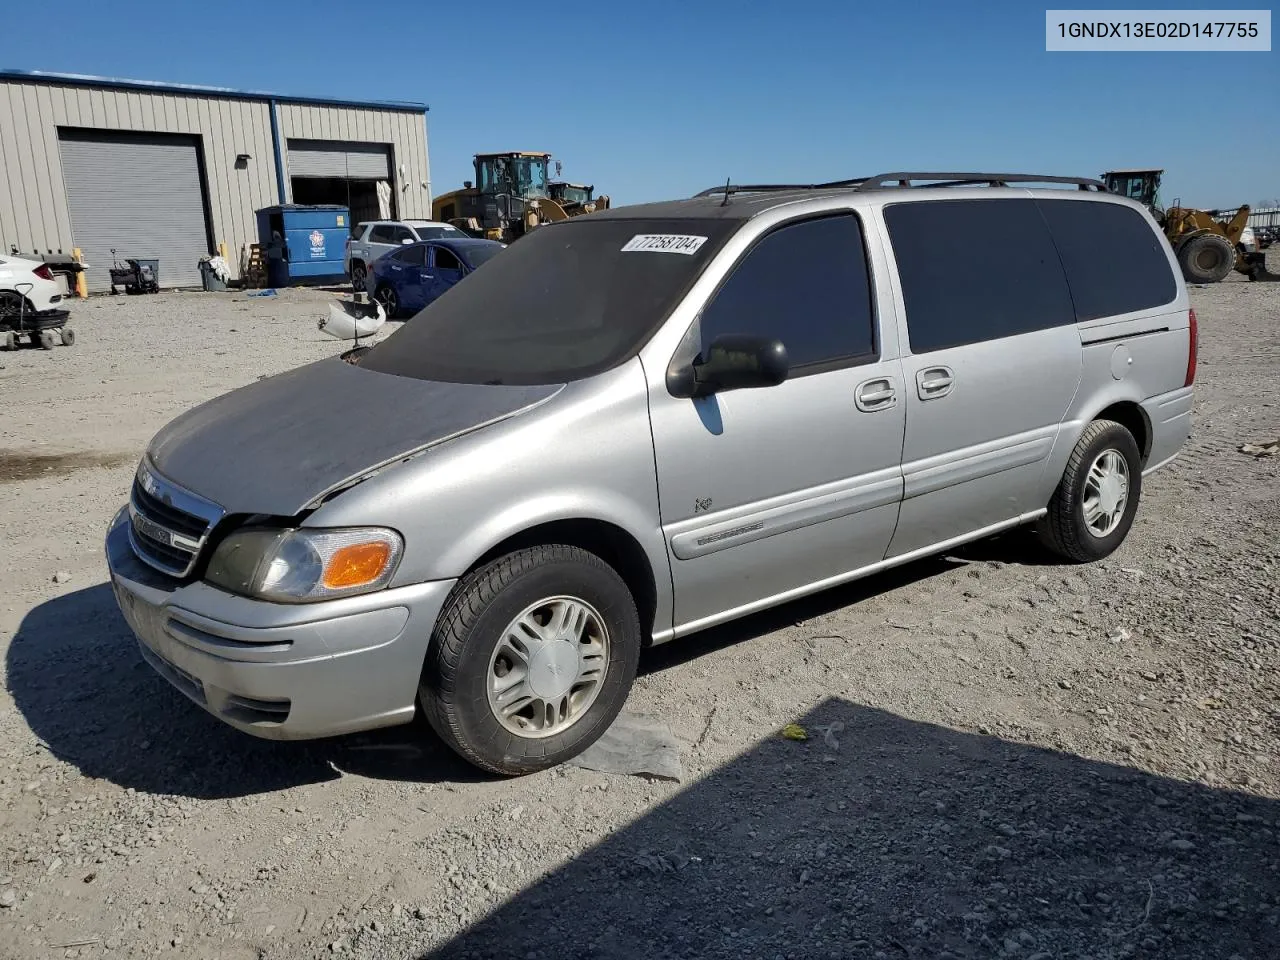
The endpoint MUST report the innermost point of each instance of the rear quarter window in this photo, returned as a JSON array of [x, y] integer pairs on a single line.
[[976, 270], [1114, 262]]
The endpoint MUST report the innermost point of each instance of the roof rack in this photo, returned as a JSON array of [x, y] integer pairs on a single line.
[[895, 180]]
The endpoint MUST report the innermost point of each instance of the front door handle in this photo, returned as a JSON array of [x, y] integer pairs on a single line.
[[877, 394], [935, 382]]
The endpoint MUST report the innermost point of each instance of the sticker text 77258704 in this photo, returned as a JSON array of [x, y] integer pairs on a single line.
[[663, 243]]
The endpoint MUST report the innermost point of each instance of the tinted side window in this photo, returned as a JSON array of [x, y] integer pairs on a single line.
[[382, 234], [414, 256], [1114, 261], [975, 270], [445, 260], [402, 234], [805, 284]]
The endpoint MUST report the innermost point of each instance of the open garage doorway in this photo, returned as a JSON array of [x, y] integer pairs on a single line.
[[355, 175]]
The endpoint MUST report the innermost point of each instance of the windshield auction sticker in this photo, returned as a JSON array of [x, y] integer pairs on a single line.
[[663, 243]]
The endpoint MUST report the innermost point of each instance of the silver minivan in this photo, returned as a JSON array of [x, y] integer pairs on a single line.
[[637, 424]]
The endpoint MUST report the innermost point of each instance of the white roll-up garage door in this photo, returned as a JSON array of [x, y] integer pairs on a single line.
[[140, 194], [333, 158]]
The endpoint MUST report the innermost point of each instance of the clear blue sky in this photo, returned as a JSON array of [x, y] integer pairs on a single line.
[[661, 99]]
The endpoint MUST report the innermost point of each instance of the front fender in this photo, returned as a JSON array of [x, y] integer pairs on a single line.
[[586, 454]]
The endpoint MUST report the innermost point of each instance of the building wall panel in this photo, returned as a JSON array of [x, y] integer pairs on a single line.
[[34, 213], [403, 131]]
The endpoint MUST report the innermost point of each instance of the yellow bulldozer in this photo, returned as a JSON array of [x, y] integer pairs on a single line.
[[512, 194], [1207, 247]]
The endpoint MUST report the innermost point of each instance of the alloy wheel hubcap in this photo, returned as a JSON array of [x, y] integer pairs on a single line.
[[1106, 493], [548, 667]]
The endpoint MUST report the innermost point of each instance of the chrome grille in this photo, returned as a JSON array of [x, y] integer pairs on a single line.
[[168, 526]]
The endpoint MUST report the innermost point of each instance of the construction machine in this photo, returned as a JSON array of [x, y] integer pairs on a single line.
[[1207, 249], [511, 195]]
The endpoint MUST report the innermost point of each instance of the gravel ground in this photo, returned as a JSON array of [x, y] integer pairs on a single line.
[[1007, 758]]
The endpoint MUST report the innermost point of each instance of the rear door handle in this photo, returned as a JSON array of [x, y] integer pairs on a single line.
[[935, 382], [874, 395]]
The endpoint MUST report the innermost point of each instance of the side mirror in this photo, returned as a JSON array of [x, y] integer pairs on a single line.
[[405, 242], [732, 362]]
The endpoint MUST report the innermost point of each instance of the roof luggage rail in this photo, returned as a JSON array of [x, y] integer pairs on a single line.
[[898, 180], [895, 180]]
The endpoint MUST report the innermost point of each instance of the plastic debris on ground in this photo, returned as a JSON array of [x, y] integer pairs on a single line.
[[829, 734], [1261, 450], [793, 731], [635, 745], [348, 320], [261, 293]]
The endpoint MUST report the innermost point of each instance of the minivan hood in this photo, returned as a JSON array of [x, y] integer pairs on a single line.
[[281, 444]]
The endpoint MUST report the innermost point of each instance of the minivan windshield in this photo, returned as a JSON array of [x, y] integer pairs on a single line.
[[567, 301]]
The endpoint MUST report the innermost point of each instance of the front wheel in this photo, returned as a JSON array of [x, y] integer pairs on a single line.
[[1206, 258], [358, 277], [389, 299], [532, 659], [1094, 505]]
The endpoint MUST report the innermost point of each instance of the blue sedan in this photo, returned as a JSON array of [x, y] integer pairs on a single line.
[[406, 280]]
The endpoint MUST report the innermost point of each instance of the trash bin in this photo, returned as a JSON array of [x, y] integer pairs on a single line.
[[211, 281]]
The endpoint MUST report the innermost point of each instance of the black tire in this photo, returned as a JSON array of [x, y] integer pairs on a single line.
[[389, 299], [1206, 258], [454, 686], [1064, 530], [359, 276], [46, 339], [68, 337], [8, 340], [12, 306]]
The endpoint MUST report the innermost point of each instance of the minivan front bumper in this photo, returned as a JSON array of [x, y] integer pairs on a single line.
[[279, 671]]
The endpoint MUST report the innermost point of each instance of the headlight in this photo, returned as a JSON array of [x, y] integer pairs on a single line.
[[303, 565]]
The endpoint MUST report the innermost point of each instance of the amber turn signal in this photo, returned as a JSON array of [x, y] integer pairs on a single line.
[[356, 564]]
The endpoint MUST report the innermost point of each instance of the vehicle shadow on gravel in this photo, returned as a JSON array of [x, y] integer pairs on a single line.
[[911, 840], [75, 674]]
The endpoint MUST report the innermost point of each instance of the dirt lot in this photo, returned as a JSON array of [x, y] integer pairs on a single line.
[[1026, 760]]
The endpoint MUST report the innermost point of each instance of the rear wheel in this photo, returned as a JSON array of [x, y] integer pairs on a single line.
[[1092, 509], [8, 340], [389, 299], [1206, 258], [11, 308], [531, 660], [46, 339]]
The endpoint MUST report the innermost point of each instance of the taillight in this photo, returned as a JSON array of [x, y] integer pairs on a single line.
[[1192, 347], [43, 272]]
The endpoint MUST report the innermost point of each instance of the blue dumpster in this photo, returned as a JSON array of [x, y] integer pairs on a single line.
[[304, 244]]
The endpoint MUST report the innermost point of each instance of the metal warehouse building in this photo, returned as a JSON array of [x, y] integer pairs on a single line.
[[175, 172]]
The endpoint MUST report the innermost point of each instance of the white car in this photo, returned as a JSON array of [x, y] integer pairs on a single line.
[[373, 238], [43, 294]]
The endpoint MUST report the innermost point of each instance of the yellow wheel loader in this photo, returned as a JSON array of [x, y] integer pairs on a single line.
[[1207, 249], [511, 195]]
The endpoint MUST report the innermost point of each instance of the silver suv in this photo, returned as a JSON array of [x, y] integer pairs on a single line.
[[372, 239], [713, 406]]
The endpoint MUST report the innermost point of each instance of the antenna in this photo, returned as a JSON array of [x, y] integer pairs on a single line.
[[725, 202]]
